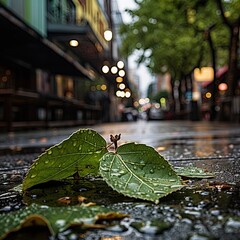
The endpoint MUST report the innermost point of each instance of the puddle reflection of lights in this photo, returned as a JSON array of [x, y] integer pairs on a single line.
[[43, 140], [112, 238], [161, 148]]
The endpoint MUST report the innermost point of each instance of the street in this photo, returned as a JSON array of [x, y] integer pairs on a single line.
[[215, 145], [205, 208]]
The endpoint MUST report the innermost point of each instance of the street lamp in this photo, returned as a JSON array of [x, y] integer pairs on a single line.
[[73, 43], [120, 64], [105, 69], [121, 73], [222, 86], [119, 79], [122, 86], [114, 70], [108, 35]]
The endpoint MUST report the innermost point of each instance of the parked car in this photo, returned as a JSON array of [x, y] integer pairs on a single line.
[[129, 114], [155, 112]]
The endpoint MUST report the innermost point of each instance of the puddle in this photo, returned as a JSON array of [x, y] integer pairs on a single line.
[[201, 210], [207, 209]]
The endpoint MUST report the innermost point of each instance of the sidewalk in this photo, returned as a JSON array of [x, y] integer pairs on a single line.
[[179, 141], [145, 132]]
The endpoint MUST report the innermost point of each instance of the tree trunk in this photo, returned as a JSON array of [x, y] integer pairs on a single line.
[[233, 59], [208, 37], [232, 74]]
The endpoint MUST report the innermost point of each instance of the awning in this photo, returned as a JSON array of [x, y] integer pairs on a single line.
[[20, 43]]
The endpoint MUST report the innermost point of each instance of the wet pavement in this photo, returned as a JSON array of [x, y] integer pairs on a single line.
[[204, 209]]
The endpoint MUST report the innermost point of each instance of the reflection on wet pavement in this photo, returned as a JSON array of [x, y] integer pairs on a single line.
[[204, 209]]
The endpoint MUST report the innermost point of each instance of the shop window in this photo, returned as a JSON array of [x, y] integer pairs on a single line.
[[61, 11]]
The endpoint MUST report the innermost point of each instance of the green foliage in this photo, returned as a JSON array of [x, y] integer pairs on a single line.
[[173, 33], [135, 170], [138, 171], [79, 154], [159, 95], [56, 219]]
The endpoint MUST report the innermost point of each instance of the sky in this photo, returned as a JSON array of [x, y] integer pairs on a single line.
[[142, 72]]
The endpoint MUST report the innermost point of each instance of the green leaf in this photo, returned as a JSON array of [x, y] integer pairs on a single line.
[[193, 172], [57, 219], [138, 171], [80, 153]]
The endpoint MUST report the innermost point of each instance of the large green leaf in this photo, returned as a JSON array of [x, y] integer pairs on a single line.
[[193, 172], [138, 171], [57, 219], [80, 153]]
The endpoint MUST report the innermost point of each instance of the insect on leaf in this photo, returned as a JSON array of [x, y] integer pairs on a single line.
[[138, 171], [80, 153], [193, 172]]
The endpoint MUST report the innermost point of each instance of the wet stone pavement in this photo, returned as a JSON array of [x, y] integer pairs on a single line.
[[204, 209]]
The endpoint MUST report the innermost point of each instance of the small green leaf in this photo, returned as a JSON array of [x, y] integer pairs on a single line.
[[138, 171], [80, 153], [57, 219], [193, 172]]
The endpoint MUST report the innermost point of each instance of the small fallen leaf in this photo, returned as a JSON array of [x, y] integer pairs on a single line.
[[80, 153], [139, 171]]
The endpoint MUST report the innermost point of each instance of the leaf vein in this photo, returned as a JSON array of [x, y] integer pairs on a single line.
[[133, 174], [63, 169]]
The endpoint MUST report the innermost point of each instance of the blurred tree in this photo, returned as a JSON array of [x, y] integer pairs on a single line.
[[160, 94], [230, 15], [177, 36]]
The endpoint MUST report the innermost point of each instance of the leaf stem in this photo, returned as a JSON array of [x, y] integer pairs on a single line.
[[114, 140]]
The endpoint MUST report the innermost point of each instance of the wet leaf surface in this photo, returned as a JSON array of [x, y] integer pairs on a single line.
[[138, 171], [80, 154], [57, 219]]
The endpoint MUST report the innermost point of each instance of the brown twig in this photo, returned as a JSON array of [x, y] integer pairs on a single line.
[[114, 140]]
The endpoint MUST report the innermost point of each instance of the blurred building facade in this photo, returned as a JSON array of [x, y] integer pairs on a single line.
[[52, 54]]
